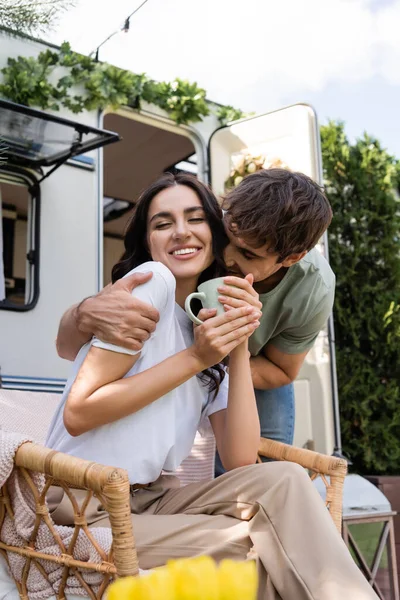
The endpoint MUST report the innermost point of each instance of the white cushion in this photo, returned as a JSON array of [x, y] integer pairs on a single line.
[[29, 413]]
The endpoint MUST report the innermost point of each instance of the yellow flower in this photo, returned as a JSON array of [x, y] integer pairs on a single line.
[[238, 180], [123, 589], [237, 580], [195, 579], [157, 585], [190, 579], [251, 167]]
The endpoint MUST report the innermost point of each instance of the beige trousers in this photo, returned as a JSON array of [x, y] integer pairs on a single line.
[[271, 508]]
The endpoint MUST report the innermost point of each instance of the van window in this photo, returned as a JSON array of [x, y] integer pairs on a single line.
[[19, 284]]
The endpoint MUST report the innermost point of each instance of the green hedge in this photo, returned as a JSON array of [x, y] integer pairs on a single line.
[[362, 183]]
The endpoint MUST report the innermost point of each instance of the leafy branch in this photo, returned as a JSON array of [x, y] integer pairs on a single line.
[[32, 16]]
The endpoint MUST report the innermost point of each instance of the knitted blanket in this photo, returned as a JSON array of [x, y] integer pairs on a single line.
[[18, 531]]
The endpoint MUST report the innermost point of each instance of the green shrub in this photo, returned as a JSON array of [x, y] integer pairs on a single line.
[[362, 183]]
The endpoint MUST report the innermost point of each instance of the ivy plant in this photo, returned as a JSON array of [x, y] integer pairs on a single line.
[[26, 81], [33, 82], [184, 101], [227, 113]]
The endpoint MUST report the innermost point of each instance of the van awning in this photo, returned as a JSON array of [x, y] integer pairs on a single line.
[[34, 138]]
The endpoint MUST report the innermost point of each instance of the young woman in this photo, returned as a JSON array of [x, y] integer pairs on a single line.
[[141, 411], [122, 407]]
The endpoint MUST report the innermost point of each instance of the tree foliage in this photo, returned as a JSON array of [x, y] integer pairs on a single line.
[[362, 183], [32, 16]]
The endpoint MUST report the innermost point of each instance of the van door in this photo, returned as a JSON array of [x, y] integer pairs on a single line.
[[287, 138]]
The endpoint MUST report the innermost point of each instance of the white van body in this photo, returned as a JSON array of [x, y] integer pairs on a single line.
[[77, 250]]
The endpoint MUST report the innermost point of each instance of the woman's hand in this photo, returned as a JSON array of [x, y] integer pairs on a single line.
[[242, 294], [219, 335]]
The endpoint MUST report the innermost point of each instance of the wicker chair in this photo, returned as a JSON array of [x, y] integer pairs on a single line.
[[111, 485], [107, 483], [30, 413]]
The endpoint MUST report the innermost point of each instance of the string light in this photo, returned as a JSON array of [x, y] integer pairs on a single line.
[[125, 28]]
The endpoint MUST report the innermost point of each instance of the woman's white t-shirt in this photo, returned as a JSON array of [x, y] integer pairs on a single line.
[[159, 436]]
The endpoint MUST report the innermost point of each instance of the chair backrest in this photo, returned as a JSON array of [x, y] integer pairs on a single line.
[[30, 413]]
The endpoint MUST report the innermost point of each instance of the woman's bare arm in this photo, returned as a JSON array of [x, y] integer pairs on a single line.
[[101, 395], [237, 429]]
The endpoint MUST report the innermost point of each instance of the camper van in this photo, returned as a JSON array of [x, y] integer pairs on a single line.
[[66, 192]]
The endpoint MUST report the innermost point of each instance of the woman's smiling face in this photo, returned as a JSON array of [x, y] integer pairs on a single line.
[[178, 234]]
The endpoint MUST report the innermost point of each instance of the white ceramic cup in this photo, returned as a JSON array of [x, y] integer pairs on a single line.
[[208, 295]]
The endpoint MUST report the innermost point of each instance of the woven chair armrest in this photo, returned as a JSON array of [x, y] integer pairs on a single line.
[[109, 482], [319, 463], [76, 472], [335, 468]]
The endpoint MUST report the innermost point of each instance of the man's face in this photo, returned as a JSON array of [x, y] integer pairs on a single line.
[[242, 259]]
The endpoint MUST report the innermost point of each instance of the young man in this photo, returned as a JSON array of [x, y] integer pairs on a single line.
[[274, 219]]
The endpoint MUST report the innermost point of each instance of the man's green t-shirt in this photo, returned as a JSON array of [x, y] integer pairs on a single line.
[[295, 311]]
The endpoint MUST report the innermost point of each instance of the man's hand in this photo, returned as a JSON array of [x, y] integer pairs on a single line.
[[241, 294], [116, 317]]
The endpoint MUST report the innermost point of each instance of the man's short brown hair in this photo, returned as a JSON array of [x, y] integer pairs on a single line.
[[286, 210]]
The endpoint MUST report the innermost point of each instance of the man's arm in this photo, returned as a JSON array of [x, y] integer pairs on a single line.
[[274, 368], [113, 315], [69, 337], [280, 360]]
